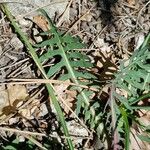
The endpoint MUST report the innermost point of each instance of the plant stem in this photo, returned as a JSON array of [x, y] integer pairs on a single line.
[[140, 98]]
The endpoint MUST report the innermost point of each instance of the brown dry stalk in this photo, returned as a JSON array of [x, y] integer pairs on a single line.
[[22, 132], [15, 64], [40, 81], [140, 12], [62, 17], [78, 21]]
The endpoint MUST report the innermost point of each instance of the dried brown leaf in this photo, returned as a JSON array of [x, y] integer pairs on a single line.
[[70, 99], [41, 22], [131, 2], [16, 92]]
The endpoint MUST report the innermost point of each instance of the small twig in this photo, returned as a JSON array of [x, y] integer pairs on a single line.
[[33, 96], [15, 64], [91, 45], [62, 17], [129, 15], [22, 132], [19, 70], [79, 15], [114, 120], [88, 50], [135, 138], [7, 50], [22, 69], [130, 6], [76, 23], [141, 12]]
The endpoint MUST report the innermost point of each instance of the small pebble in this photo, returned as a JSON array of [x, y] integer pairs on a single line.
[[25, 23]]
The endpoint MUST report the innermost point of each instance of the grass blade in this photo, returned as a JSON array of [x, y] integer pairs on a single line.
[[37, 62]]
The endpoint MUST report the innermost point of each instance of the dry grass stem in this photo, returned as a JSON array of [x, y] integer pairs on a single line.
[[77, 22], [41, 81], [64, 13]]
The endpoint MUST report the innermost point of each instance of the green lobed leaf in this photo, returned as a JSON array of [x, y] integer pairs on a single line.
[[144, 138]]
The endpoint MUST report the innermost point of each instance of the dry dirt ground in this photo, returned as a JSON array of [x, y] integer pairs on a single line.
[[112, 30]]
